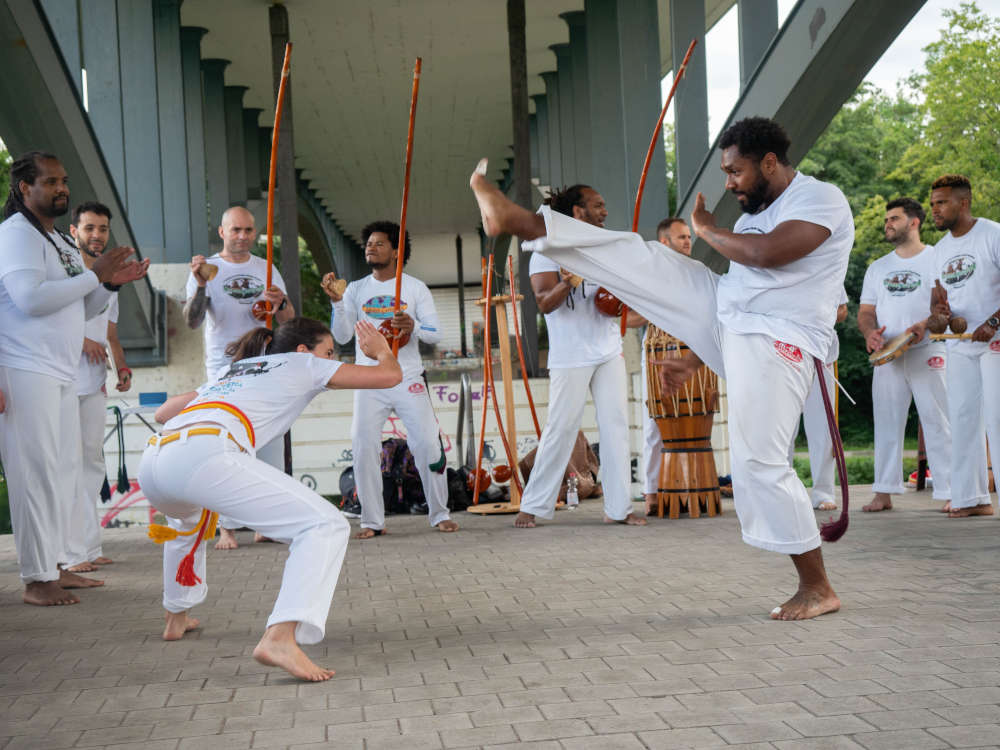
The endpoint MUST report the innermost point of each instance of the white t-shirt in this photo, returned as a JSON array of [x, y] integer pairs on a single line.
[[900, 289], [271, 391], [580, 335], [969, 269], [795, 303], [834, 354], [231, 294], [47, 344], [375, 300], [92, 375]]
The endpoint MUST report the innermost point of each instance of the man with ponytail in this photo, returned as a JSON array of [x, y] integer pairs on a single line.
[[46, 295], [203, 463]]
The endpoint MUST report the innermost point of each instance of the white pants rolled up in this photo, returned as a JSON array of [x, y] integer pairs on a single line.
[[568, 388], [412, 405], [921, 375], [209, 471], [773, 506], [40, 446], [83, 535], [973, 408]]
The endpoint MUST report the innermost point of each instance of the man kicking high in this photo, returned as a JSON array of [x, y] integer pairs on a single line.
[[760, 325], [373, 298]]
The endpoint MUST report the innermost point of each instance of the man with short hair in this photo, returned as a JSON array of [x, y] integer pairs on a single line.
[[46, 295], [968, 263], [91, 229], [895, 295], [585, 354], [226, 302], [674, 233], [762, 325], [374, 298]]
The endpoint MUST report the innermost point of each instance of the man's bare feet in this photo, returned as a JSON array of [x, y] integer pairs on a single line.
[[178, 623], [826, 505], [524, 521], [806, 604], [102, 560], [69, 580], [499, 214], [946, 508], [84, 567], [48, 594], [986, 509], [630, 520], [278, 649], [227, 539], [447, 526], [881, 501], [370, 533], [652, 507], [259, 538]]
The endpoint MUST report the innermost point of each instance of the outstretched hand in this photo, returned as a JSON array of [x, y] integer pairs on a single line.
[[372, 343], [701, 218]]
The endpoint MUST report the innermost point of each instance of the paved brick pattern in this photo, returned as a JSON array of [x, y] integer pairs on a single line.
[[572, 636]]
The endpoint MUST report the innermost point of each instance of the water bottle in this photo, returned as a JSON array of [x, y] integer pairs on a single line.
[[572, 494]]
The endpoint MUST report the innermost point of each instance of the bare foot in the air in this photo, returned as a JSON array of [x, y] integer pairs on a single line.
[[48, 594], [102, 560], [630, 520], [807, 603], [524, 521], [447, 526], [69, 580], [946, 508], [881, 501], [84, 567], [370, 533], [278, 649], [486, 197], [986, 509], [500, 215], [227, 539], [178, 623]]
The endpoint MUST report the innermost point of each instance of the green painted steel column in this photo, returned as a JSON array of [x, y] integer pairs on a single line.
[[216, 166]]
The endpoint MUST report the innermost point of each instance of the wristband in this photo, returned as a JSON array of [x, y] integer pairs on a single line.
[[124, 369], [284, 303], [112, 287]]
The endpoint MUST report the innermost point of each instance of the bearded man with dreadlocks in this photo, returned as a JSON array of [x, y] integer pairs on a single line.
[[46, 294], [585, 354]]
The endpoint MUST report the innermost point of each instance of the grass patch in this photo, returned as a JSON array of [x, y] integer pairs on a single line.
[[860, 470]]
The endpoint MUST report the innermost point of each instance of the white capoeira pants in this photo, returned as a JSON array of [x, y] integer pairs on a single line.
[[273, 454], [40, 448], [83, 535], [817, 428], [210, 471], [568, 388], [918, 375], [766, 391], [973, 408], [652, 442], [412, 404]]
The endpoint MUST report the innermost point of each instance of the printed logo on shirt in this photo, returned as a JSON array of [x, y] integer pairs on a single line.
[[788, 351], [995, 346], [249, 367], [958, 270], [936, 363], [381, 306], [416, 388], [900, 283], [244, 289]]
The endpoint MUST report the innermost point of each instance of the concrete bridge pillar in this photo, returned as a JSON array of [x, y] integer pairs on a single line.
[[216, 150], [687, 22], [194, 128]]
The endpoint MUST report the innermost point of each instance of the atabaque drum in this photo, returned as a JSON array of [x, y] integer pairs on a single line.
[[688, 476]]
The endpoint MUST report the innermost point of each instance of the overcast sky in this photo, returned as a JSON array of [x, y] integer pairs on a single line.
[[903, 56]]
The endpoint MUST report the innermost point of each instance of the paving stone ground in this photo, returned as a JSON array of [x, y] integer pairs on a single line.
[[572, 636]]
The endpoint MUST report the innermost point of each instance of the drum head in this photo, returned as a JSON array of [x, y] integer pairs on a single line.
[[896, 346]]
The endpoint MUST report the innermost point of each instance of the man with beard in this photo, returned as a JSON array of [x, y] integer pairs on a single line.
[[761, 325], [585, 354], [91, 229], [226, 301], [895, 295], [373, 299], [968, 263], [46, 295]]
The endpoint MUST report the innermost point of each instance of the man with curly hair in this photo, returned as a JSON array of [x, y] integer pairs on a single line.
[[762, 325]]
